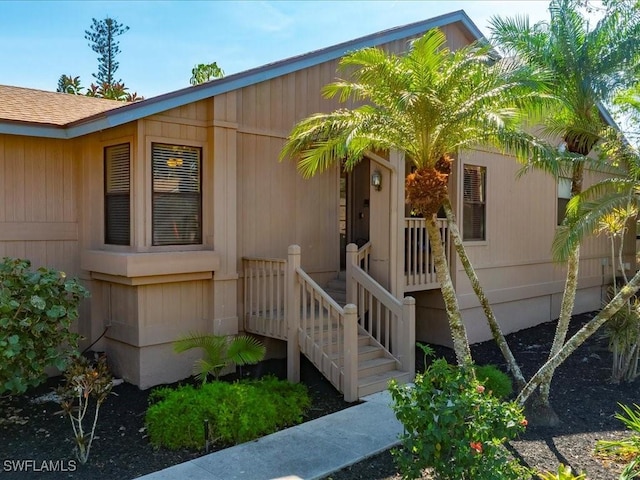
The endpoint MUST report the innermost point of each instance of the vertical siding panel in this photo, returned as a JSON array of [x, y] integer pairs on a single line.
[[289, 102], [276, 106], [251, 175], [263, 105], [70, 168], [249, 108], [33, 179], [14, 168], [55, 182]]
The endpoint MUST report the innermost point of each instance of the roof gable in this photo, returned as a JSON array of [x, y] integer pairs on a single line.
[[82, 122]]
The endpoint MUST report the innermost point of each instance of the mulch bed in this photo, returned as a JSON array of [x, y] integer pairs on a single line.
[[121, 451], [581, 395]]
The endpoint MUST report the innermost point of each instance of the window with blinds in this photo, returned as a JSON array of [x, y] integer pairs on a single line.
[[177, 197], [117, 216], [474, 203]]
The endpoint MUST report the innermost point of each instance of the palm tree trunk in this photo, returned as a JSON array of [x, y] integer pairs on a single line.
[[546, 371], [458, 331], [494, 326], [568, 301]]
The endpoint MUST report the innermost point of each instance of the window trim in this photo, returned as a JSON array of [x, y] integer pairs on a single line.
[[105, 147], [484, 170]]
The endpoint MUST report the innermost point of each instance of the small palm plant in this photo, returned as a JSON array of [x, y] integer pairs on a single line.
[[220, 352]]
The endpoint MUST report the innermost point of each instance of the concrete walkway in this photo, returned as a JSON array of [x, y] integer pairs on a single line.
[[308, 451]]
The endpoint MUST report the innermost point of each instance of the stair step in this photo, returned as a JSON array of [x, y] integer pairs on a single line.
[[376, 366], [379, 382], [365, 352], [336, 284]]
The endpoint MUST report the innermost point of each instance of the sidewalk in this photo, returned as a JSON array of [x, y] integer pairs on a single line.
[[308, 451]]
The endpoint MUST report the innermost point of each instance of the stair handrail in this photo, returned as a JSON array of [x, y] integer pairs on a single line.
[[302, 325], [364, 256], [362, 289]]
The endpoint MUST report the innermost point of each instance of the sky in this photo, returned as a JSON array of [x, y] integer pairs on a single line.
[[40, 40]]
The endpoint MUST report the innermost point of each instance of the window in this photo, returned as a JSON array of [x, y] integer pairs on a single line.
[[474, 203], [564, 195], [177, 198], [117, 197]]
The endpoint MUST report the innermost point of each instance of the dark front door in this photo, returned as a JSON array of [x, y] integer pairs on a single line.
[[354, 208]]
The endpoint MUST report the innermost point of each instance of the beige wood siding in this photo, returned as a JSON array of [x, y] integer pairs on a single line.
[[38, 202], [521, 223]]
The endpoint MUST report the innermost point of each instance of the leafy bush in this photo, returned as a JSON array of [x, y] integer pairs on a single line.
[[455, 427], [37, 309], [237, 412], [497, 382], [220, 352], [628, 449]]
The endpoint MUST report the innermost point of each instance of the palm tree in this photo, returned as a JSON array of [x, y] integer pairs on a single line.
[[587, 66], [427, 103]]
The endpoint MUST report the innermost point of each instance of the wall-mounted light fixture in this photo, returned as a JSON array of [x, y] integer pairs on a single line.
[[376, 180]]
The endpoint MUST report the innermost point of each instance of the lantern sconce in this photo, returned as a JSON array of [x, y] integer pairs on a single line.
[[376, 180]]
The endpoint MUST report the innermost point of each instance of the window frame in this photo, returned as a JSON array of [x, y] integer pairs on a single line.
[[199, 238], [107, 194], [467, 203]]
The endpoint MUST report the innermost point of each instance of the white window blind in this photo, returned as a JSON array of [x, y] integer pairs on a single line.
[[117, 194], [177, 198], [474, 203]]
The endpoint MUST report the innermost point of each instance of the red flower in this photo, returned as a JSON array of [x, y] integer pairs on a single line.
[[480, 389], [476, 447], [524, 422]]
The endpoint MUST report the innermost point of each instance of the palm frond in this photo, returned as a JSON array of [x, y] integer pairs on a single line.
[[245, 350]]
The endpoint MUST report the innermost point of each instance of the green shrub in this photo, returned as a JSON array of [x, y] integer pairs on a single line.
[[455, 427], [497, 382], [237, 412], [37, 309]]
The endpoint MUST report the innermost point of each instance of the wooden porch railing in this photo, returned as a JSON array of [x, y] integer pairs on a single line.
[[419, 267], [389, 321], [264, 296]]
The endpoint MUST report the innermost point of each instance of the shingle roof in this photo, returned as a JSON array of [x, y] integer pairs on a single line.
[[49, 108]]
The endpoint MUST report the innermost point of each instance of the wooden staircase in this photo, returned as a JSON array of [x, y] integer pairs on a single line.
[[376, 367], [359, 346]]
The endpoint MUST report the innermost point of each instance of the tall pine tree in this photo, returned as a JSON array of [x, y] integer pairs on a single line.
[[102, 40]]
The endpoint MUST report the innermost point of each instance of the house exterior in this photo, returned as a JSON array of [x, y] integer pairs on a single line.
[[177, 215]]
